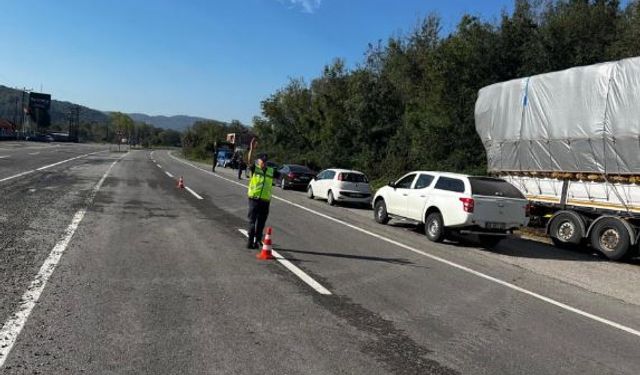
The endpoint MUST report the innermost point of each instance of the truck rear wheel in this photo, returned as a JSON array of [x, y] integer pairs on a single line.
[[611, 237], [566, 230]]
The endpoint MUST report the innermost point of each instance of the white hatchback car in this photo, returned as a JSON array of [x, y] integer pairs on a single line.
[[340, 185]]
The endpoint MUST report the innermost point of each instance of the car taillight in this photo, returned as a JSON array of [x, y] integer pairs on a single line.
[[467, 204], [340, 177], [292, 175]]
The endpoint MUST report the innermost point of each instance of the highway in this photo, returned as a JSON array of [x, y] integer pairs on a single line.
[[107, 267]]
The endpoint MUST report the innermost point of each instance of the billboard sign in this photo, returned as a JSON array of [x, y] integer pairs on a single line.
[[39, 101]]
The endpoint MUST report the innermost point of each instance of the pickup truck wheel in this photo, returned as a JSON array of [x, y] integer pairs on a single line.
[[611, 237], [380, 212], [330, 199], [489, 241], [310, 192], [434, 227]]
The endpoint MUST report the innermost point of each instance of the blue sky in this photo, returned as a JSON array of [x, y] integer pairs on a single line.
[[210, 58]]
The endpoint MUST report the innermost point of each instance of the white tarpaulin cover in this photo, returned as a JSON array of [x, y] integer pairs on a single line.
[[584, 119]]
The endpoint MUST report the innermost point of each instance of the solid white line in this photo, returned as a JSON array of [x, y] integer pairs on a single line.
[[17, 175], [12, 327], [168, 174], [193, 192], [296, 271], [67, 160], [447, 262]]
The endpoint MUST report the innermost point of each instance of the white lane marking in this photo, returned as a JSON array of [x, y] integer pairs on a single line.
[[17, 175], [296, 271], [67, 160], [447, 262], [159, 166], [12, 327], [4, 156], [34, 153], [193, 192], [168, 174]]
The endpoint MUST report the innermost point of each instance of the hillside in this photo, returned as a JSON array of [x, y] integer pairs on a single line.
[[179, 122], [59, 109]]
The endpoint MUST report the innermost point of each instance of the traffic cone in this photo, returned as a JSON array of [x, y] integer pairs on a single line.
[[265, 253], [181, 183]]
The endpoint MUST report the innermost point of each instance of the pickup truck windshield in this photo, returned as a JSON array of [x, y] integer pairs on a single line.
[[493, 187]]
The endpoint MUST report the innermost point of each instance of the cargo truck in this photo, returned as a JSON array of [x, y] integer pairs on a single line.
[[570, 142]]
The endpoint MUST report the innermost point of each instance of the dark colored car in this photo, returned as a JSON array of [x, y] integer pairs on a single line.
[[293, 176], [40, 138]]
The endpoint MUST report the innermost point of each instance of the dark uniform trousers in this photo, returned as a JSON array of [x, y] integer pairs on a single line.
[[258, 212]]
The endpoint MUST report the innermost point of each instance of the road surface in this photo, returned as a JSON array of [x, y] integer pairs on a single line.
[[142, 277]]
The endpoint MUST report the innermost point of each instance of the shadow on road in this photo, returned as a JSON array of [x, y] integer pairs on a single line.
[[523, 248], [399, 261]]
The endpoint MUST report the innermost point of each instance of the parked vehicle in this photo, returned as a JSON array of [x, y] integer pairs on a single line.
[[568, 141], [224, 157], [340, 185], [449, 202], [295, 176], [39, 138]]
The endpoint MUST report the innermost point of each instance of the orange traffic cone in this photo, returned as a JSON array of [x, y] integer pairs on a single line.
[[181, 183], [265, 253]]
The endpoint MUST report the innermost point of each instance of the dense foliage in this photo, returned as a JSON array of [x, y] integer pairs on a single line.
[[410, 103], [199, 140]]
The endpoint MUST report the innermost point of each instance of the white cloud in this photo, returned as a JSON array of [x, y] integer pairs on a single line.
[[308, 6]]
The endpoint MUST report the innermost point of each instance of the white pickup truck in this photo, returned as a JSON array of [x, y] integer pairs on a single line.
[[448, 202]]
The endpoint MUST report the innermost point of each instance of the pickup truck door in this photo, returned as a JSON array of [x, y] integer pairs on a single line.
[[418, 196], [397, 198]]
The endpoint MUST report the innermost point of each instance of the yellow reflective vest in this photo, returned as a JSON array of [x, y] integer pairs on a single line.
[[261, 183]]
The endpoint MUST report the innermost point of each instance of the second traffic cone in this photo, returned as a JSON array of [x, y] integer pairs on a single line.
[[265, 253], [181, 183]]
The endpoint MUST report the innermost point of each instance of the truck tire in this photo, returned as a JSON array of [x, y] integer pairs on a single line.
[[611, 237], [380, 212], [566, 230], [434, 227]]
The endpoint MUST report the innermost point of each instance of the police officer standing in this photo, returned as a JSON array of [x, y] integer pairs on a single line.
[[259, 193]]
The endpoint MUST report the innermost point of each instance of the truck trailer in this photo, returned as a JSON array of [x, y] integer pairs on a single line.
[[570, 142]]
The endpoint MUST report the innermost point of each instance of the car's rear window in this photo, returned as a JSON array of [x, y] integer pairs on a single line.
[[354, 177], [299, 169], [493, 187]]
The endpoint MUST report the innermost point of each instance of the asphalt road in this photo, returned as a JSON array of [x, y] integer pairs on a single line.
[[156, 280]]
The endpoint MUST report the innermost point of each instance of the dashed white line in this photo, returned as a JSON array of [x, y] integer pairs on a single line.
[[168, 174], [193, 192], [46, 167], [12, 327], [296, 271], [34, 153], [436, 258], [4, 156], [67, 160]]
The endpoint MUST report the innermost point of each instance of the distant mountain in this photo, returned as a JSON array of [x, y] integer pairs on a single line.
[[180, 122]]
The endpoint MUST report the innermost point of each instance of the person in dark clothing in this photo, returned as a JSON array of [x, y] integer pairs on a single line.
[[241, 167], [259, 193], [215, 158]]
